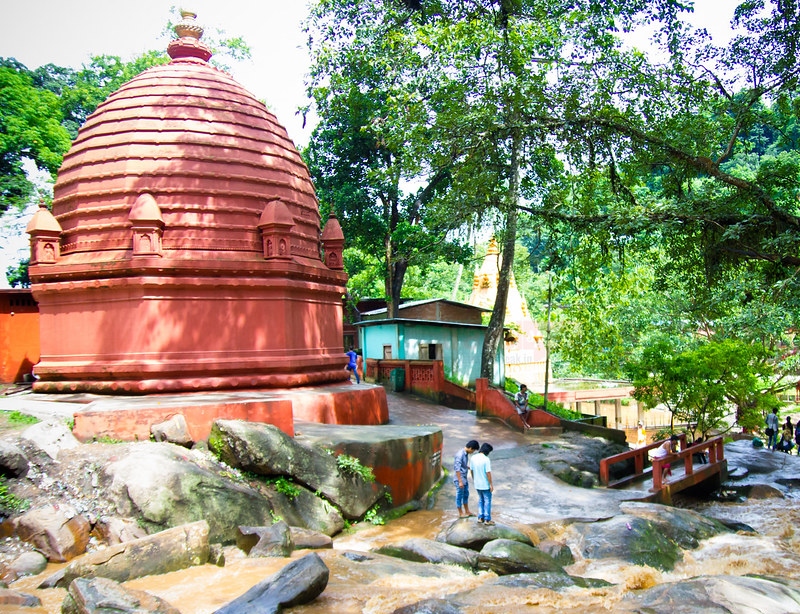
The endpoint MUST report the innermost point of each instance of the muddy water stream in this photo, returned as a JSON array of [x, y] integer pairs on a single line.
[[353, 589], [524, 496]]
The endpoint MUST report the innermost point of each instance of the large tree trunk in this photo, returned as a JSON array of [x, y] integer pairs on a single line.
[[395, 275], [494, 333]]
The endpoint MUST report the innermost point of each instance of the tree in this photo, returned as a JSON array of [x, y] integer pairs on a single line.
[[30, 130], [18, 275], [711, 385], [371, 144]]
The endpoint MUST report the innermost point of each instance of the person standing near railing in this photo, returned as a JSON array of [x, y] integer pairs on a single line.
[[772, 429], [669, 447], [641, 436]]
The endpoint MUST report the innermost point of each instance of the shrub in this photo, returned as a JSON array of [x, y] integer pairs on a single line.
[[351, 465]]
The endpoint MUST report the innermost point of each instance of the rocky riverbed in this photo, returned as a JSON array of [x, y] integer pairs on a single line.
[[557, 546]]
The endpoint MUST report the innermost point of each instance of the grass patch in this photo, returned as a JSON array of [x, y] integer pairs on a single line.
[[17, 418]]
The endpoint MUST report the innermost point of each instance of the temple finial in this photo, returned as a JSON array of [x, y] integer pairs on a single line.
[[188, 44], [187, 26]]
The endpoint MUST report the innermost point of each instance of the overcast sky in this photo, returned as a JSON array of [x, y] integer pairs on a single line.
[[69, 32]]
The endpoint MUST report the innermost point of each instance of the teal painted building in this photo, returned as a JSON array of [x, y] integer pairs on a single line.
[[435, 329]]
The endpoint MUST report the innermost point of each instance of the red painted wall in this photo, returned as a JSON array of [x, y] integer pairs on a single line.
[[493, 402], [19, 335]]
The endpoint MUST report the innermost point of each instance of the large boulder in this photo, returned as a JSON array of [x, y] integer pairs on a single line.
[[170, 550], [684, 527], [58, 531], [553, 580], [430, 551], [308, 539], [101, 596], [168, 486], [506, 556], [300, 582], [474, 535], [50, 438], [307, 510], [26, 564], [627, 538], [266, 450], [718, 595], [18, 599], [274, 540]]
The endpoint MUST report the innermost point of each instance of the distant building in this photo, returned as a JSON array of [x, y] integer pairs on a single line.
[[525, 353], [434, 329]]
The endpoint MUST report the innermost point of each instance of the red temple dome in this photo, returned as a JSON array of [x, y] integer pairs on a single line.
[[167, 276], [212, 156]]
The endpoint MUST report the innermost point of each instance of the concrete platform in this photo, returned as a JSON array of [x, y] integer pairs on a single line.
[[128, 418], [407, 459]]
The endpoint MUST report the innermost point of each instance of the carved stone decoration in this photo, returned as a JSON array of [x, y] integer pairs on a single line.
[[333, 243], [45, 233], [147, 226], [276, 225]]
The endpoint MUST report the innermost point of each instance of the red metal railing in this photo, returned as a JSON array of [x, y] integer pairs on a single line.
[[713, 447], [639, 456]]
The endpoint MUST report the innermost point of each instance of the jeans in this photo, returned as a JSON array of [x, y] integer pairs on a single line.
[[773, 440], [484, 505], [462, 495]]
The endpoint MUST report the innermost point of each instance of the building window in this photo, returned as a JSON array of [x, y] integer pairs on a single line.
[[430, 351], [387, 352]]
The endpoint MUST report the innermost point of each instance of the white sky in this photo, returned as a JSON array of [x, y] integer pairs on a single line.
[[69, 32]]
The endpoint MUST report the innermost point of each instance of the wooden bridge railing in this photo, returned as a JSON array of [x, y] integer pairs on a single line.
[[713, 447], [639, 456]]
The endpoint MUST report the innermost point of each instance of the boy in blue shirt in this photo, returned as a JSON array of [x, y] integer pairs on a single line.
[[481, 468], [352, 364]]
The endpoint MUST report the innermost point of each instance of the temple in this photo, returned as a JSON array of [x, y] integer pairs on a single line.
[[184, 250], [525, 354]]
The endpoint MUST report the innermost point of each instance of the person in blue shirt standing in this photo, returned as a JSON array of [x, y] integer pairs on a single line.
[[352, 364], [772, 429], [460, 471], [481, 468]]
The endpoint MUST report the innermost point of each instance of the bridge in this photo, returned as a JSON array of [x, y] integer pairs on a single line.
[[687, 471]]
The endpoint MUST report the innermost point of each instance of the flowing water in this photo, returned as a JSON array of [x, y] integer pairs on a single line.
[[353, 588], [524, 498]]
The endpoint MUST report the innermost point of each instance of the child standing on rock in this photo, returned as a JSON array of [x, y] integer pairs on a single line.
[[481, 469], [460, 472]]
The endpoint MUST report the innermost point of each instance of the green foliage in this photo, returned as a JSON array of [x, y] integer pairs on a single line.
[[707, 384], [352, 466], [10, 503], [373, 516], [18, 418], [286, 487], [30, 129], [18, 275]]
